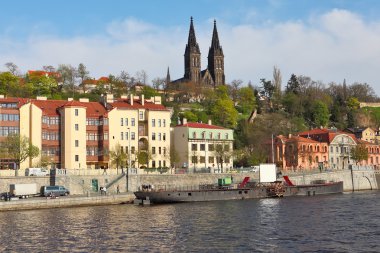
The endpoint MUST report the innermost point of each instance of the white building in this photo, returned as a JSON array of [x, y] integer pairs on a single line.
[[203, 146]]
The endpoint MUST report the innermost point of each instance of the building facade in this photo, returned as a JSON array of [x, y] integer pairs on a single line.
[[203, 146], [80, 134], [213, 75]]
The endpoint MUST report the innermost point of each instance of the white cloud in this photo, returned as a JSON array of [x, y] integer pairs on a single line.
[[330, 47]]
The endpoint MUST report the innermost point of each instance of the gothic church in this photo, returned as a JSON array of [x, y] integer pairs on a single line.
[[213, 75]]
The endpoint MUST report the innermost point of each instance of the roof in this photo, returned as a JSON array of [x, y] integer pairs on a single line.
[[201, 125], [43, 73], [50, 107], [324, 134], [125, 104]]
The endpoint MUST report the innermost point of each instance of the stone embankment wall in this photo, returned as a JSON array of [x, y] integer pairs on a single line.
[[83, 185], [358, 180]]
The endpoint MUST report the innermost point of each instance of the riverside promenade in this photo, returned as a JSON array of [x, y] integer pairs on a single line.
[[69, 201]]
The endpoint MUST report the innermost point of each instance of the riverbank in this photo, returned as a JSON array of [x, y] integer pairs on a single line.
[[71, 201]]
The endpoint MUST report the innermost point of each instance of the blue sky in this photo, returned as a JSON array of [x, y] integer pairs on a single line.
[[328, 40]]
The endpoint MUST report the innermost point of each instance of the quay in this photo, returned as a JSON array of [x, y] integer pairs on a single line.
[[70, 201]]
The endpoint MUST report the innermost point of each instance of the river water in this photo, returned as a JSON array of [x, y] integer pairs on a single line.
[[334, 223]]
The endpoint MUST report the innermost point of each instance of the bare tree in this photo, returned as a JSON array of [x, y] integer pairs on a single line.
[[222, 153], [82, 73], [68, 74], [48, 68], [158, 82], [234, 89], [13, 68], [142, 76]]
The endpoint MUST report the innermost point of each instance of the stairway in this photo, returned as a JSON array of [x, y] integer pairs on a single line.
[[115, 180]]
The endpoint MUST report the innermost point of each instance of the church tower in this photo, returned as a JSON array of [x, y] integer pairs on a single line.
[[192, 57], [216, 59]]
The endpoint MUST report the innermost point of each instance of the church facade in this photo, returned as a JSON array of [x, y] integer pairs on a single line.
[[213, 75]]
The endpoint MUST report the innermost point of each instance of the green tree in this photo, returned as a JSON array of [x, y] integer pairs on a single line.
[[247, 100], [148, 92], [43, 85], [320, 113], [190, 116], [8, 82], [359, 153], [224, 113], [18, 148], [118, 157], [293, 85]]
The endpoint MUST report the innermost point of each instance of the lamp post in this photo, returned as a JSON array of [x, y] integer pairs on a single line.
[[129, 154]]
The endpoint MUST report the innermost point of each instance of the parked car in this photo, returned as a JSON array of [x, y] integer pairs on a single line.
[[54, 191], [36, 172]]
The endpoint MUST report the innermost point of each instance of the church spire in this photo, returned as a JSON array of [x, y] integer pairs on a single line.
[[216, 59], [168, 77], [215, 38], [192, 56]]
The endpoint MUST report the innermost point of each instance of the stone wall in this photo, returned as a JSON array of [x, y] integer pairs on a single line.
[[363, 180]]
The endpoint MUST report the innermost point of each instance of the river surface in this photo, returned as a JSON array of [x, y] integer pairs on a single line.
[[335, 223]]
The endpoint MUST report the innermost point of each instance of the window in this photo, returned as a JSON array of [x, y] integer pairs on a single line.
[[121, 122], [105, 136], [226, 147], [121, 136], [133, 136], [203, 135], [164, 149], [332, 149], [126, 121], [159, 163], [164, 123], [202, 159], [133, 122], [153, 122], [159, 136], [164, 163], [76, 112], [219, 136], [210, 147], [153, 136], [211, 136], [164, 137], [159, 123], [141, 115], [202, 147], [194, 135], [210, 159], [159, 150], [154, 164], [194, 147], [226, 136], [76, 127], [153, 150], [76, 143], [9, 117], [132, 149], [126, 135], [77, 158], [194, 159]]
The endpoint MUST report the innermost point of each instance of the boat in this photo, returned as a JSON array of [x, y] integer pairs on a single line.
[[228, 191]]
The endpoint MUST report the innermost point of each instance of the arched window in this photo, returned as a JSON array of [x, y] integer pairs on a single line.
[[211, 136], [219, 136], [194, 135], [203, 135], [226, 135]]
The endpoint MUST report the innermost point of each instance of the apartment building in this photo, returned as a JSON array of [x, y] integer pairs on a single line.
[[203, 146], [79, 134]]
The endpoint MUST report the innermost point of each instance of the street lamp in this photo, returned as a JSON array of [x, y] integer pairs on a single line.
[[129, 154]]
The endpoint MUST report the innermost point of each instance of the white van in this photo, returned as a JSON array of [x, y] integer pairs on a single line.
[[36, 172]]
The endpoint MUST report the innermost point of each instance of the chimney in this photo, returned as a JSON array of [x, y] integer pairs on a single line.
[[142, 99], [184, 121], [85, 100], [131, 99], [41, 98], [290, 136], [209, 122], [70, 99]]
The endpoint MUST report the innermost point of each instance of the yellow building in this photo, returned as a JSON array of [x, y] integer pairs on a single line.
[[79, 134]]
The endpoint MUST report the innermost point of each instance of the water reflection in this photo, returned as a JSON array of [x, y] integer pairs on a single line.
[[338, 223]]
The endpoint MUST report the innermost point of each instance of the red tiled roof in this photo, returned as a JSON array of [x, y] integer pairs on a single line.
[[200, 125], [124, 103], [42, 73], [50, 107], [324, 135]]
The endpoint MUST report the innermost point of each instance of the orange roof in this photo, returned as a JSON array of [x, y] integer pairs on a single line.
[[200, 125], [324, 135], [50, 107], [43, 73]]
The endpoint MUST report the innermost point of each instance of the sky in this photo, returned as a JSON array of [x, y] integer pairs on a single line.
[[327, 40]]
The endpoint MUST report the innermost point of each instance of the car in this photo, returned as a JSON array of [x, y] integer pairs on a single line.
[[36, 172], [56, 190]]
